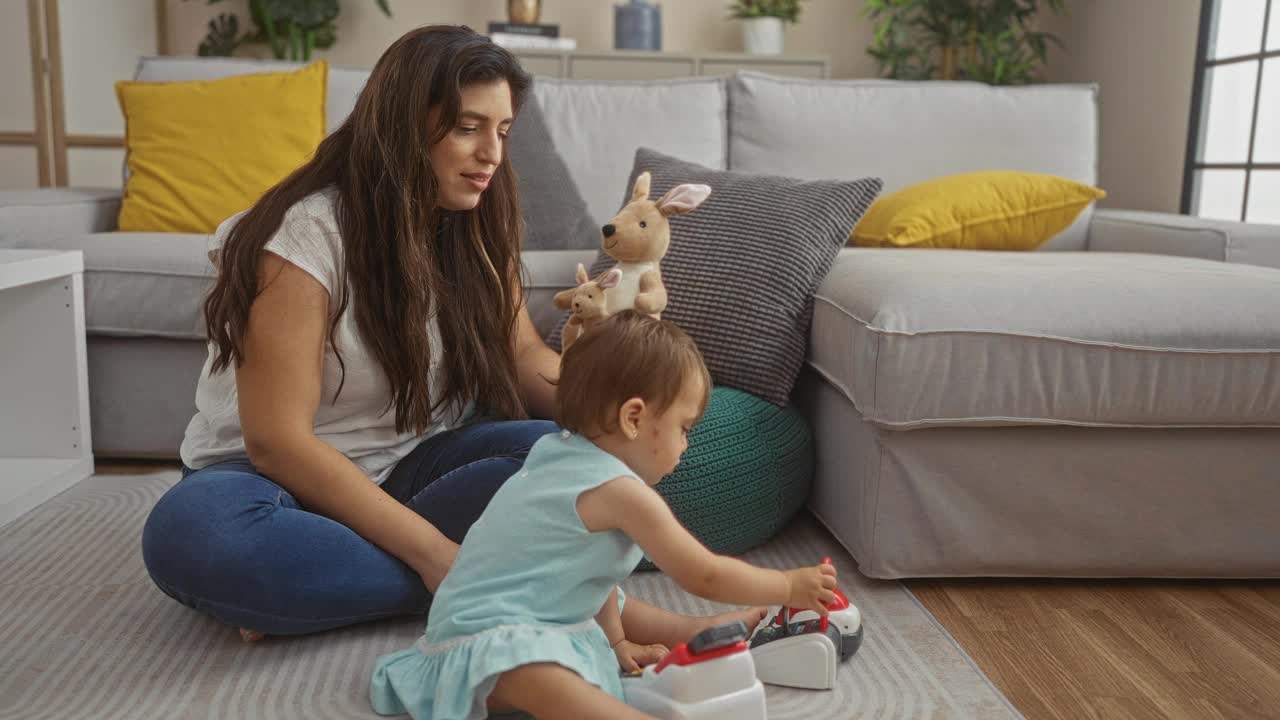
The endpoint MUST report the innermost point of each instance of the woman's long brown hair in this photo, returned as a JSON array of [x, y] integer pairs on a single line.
[[402, 260]]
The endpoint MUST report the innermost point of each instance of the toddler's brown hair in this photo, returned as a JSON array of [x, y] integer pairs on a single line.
[[623, 356]]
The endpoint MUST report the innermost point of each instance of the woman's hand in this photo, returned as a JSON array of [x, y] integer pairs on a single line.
[[632, 657], [537, 366], [812, 587]]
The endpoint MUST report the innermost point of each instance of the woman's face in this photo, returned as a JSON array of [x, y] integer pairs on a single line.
[[465, 159]]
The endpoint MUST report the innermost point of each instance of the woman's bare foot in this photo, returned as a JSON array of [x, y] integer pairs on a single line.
[[250, 636]]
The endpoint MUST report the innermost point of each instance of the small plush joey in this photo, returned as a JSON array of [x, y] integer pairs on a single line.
[[585, 303]]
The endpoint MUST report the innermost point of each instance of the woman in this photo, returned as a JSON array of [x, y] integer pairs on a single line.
[[367, 313]]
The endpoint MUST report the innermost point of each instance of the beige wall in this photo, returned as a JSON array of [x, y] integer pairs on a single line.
[[100, 44], [835, 28], [19, 168], [1141, 52]]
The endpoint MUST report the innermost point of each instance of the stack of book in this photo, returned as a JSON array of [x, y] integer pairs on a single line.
[[518, 35]]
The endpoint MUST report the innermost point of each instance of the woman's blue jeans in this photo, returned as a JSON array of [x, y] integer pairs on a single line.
[[231, 543]]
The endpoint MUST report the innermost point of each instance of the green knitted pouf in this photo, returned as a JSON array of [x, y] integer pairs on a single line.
[[746, 472]]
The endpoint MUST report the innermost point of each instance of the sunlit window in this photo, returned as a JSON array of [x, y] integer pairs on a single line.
[[1233, 169]]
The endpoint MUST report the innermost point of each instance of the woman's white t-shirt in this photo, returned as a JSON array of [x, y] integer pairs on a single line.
[[361, 424]]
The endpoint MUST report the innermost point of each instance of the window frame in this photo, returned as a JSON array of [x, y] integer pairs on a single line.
[[1199, 108]]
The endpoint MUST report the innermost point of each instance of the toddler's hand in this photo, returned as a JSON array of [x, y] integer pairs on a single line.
[[632, 657], [811, 587]]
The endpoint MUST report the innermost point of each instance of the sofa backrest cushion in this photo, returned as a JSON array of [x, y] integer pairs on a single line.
[[343, 88], [598, 125], [907, 132], [555, 214]]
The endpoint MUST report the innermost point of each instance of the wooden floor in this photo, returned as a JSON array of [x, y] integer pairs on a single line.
[[1070, 650], [1121, 648]]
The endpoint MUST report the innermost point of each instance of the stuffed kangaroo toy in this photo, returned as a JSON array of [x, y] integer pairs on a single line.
[[638, 237], [585, 303]]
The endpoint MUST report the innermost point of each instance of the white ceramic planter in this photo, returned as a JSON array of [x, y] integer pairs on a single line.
[[762, 35]]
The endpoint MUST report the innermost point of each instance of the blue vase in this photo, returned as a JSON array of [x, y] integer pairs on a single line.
[[637, 25]]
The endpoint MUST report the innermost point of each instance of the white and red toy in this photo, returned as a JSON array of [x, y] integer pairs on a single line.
[[805, 653], [712, 676]]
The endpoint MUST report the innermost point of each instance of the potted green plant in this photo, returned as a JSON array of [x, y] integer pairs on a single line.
[[762, 23], [291, 28], [992, 41]]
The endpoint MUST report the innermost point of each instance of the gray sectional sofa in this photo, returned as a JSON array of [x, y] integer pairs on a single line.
[[1108, 406]]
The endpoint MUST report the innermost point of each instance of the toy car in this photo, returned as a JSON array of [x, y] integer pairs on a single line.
[[805, 653], [711, 676]]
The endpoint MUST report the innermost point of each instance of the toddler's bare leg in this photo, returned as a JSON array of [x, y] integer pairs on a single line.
[[549, 691]]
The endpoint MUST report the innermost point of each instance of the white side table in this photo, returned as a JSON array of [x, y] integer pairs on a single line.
[[44, 387]]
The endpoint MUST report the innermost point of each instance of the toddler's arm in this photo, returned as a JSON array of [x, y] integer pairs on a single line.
[[610, 620], [627, 504], [631, 657]]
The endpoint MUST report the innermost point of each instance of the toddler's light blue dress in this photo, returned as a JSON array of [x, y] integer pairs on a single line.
[[524, 588]]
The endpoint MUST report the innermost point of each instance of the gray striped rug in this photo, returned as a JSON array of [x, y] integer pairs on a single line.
[[84, 634]]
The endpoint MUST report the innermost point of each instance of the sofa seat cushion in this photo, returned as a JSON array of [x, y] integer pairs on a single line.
[[153, 284], [143, 284], [926, 338]]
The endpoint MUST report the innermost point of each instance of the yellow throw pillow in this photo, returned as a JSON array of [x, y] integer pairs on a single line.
[[992, 210], [201, 151]]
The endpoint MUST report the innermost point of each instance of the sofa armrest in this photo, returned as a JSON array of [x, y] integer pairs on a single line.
[[29, 218], [547, 272], [1169, 234]]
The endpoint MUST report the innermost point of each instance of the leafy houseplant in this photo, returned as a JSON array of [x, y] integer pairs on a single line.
[[787, 10], [992, 41], [291, 28], [762, 23]]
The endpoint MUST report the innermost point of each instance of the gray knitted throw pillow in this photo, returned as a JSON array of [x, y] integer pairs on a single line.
[[743, 267]]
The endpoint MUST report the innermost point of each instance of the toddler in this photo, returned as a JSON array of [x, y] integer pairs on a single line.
[[529, 617]]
